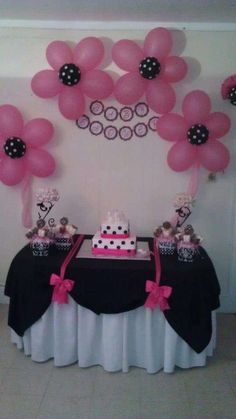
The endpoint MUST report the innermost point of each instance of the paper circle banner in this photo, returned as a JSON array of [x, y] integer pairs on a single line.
[[121, 122]]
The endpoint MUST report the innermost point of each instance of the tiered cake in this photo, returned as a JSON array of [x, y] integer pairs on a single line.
[[114, 237]]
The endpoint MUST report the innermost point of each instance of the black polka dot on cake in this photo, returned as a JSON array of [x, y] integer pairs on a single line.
[[119, 228], [125, 231], [105, 247], [104, 232], [123, 242], [132, 242], [95, 245], [108, 227], [114, 232], [111, 242], [99, 241], [118, 247]]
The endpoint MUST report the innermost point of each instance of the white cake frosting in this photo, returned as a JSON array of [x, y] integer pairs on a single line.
[[114, 236]]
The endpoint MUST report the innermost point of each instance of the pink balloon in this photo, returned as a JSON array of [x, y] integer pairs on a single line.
[[46, 84], [172, 127], [71, 103], [97, 84], [38, 132], [40, 163], [11, 121], [58, 53], [175, 69], [129, 88], [196, 107], [218, 124], [88, 53], [158, 43], [12, 171], [160, 96], [127, 54], [214, 156], [181, 156]]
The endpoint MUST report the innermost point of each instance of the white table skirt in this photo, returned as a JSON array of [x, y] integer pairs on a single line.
[[142, 337]]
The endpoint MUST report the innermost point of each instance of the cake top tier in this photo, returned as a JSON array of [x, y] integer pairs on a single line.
[[114, 217]]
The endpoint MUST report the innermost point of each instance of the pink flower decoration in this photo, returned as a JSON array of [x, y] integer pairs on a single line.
[[196, 135], [73, 76], [150, 70], [228, 89], [20, 146]]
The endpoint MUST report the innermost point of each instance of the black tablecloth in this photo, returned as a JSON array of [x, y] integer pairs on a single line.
[[116, 285]]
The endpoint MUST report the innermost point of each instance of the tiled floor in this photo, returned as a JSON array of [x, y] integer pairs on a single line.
[[42, 391]]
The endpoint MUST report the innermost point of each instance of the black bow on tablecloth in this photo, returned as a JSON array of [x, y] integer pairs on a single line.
[[116, 285]]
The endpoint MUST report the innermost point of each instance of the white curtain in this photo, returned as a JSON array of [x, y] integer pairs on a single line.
[[142, 337]]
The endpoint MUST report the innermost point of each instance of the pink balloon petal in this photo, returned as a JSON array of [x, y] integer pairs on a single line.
[[88, 53], [129, 88], [181, 156], [172, 127], [40, 163], [97, 84], [71, 103], [38, 132], [11, 121], [214, 156], [175, 69], [46, 84], [218, 124], [59, 53], [196, 107], [160, 96], [12, 171], [158, 43], [2, 142], [127, 55]]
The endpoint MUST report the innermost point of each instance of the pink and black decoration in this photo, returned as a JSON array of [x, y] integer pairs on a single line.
[[150, 70], [228, 89], [21, 153], [74, 75]]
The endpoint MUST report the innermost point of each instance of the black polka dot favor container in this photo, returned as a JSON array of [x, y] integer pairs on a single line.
[[63, 242], [40, 246], [186, 251], [166, 245]]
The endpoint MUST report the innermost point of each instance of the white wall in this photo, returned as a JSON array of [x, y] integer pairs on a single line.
[[94, 175]]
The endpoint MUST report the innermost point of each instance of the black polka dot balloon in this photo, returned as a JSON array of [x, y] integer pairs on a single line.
[[15, 147], [232, 95], [198, 134], [69, 74], [149, 68]]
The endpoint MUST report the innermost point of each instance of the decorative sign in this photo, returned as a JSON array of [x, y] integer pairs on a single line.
[[113, 122]]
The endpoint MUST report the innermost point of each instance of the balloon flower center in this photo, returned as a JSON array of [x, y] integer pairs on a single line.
[[232, 95], [14, 147], [198, 134], [69, 74], [149, 68]]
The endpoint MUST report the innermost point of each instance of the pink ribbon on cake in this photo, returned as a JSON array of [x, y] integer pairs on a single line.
[[63, 286], [158, 294]]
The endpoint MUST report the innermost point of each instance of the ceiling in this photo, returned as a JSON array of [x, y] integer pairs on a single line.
[[169, 11]]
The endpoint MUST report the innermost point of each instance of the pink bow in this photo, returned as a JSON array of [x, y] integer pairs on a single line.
[[158, 295], [61, 289]]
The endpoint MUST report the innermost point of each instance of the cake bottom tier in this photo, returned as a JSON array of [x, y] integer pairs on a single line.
[[117, 247]]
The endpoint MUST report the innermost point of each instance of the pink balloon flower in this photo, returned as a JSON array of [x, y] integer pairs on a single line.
[[73, 75], [20, 146], [150, 70], [196, 135]]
